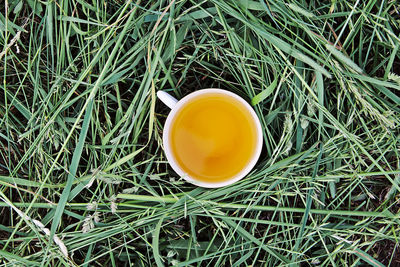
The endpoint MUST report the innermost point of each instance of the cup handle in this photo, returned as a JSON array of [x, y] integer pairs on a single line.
[[167, 99]]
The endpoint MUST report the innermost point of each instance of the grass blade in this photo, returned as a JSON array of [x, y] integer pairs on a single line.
[[72, 170], [265, 93]]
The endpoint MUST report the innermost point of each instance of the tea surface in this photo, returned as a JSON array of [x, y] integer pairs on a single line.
[[213, 137]]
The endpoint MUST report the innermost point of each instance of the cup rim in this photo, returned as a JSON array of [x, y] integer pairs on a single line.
[[171, 158]]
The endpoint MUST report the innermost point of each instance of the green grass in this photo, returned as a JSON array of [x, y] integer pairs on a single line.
[[83, 177]]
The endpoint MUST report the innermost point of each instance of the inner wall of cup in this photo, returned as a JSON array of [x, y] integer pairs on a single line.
[[167, 139]]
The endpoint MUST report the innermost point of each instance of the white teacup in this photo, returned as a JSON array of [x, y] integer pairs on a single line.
[[176, 106]]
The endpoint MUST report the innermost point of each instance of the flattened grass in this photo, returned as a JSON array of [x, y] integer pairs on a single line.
[[81, 159]]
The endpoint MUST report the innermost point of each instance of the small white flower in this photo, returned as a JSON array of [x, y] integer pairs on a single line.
[[288, 148], [130, 190], [315, 261], [109, 180], [87, 224], [92, 206], [311, 109], [96, 217], [113, 204], [171, 253], [154, 177], [304, 123], [174, 262]]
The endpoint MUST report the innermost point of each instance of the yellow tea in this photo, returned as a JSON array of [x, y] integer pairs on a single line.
[[213, 137]]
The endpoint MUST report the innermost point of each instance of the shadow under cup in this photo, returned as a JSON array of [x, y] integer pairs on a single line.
[[212, 138]]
